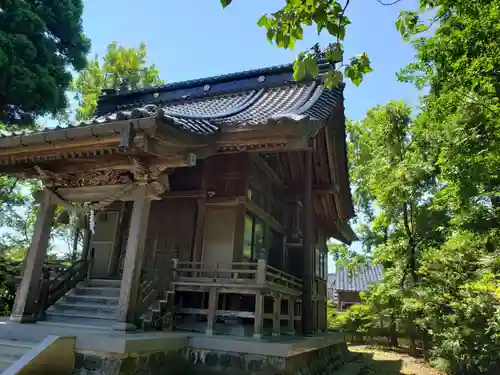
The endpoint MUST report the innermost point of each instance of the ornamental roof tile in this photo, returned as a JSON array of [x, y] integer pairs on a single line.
[[204, 106]]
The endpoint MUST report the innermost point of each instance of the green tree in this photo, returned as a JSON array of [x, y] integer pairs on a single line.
[[121, 66], [40, 41], [286, 26]]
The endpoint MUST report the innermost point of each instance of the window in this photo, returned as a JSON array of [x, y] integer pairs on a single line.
[[247, 243], [253, 237], [320, 264]]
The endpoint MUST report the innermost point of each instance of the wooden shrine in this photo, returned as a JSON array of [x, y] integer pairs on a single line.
[[211, 200]]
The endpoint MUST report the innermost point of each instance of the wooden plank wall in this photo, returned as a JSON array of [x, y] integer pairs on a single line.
[[171, 225]]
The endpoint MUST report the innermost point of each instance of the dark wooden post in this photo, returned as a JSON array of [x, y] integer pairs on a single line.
[[291, 315], [308, 253], [24, 309], [87, 238], [131, 279], [276, 314], [213, 300]]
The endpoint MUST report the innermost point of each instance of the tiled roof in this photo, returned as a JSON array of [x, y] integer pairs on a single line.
[[359, 281], [330, 282], [204, 106]]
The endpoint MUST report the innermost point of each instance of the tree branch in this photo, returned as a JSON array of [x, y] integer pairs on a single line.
[[388, 4]]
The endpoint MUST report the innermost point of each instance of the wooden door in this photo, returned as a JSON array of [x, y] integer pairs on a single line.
[[103, 243], [219, 237]]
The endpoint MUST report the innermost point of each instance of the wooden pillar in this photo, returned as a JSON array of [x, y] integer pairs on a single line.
[[259, 315], [24, 309], [199, 231], [212, 310], [291, 315], [87, 237], [117, 240], [276, 314], [131, 279], [308, 251]]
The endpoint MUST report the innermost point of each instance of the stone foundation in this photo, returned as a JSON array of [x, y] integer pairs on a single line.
[[192, 361], [156, 363], [319, 361]]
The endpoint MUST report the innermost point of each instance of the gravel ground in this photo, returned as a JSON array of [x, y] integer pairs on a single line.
[[386, 362]]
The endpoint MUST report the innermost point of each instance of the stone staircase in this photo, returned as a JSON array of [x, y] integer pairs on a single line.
[[11, 351], [160, 315], [92, 304]]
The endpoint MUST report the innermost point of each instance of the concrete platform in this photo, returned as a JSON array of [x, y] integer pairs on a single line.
[[108, 352]]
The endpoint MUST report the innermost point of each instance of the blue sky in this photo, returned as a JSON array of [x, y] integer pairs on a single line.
[[197, 38]]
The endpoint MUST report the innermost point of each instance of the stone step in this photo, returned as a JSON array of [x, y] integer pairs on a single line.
[[85, 309], [107, 283], [75, 317], [85, 299], [5, 363], [95, 291], [14, 348], [61, 322], [11, 351]]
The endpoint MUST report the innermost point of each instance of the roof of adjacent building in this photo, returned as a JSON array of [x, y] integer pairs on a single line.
[[330, 282], [356, 281]]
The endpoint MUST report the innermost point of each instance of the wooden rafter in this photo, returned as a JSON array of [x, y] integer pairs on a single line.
[[267, 170]]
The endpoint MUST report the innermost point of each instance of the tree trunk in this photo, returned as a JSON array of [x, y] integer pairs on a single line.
[[393, 334], [426, 344]]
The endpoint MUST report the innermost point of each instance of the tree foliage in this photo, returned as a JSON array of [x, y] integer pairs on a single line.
[[40, 41], [121, 66], [428, 189], [285, 26]]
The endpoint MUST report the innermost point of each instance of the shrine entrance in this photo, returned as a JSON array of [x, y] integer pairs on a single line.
[[105, 242]]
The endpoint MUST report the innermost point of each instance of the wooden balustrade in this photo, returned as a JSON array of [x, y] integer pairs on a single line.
[[240, 273], [234, 272], [278, 276], [51, 289]]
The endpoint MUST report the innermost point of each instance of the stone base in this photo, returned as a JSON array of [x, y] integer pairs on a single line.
[[277, 356], [197, 354], [120, 326], [22, 318], [171, 363]]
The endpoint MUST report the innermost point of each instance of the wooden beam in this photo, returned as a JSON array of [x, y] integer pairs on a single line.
[[276, 313], [88, 193], [195, 194], [267, 218], [199, 233], [131, 279], [267, 170], [212, 307], [72, 138], [259, 316], [308, 251], [25, 306]]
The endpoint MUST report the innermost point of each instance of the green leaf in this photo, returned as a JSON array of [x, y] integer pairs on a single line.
[[333, 28], [225, 3], [311, 65], [270, 35], [334, 52], [299, 67], [332, 78], [264, 21]]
